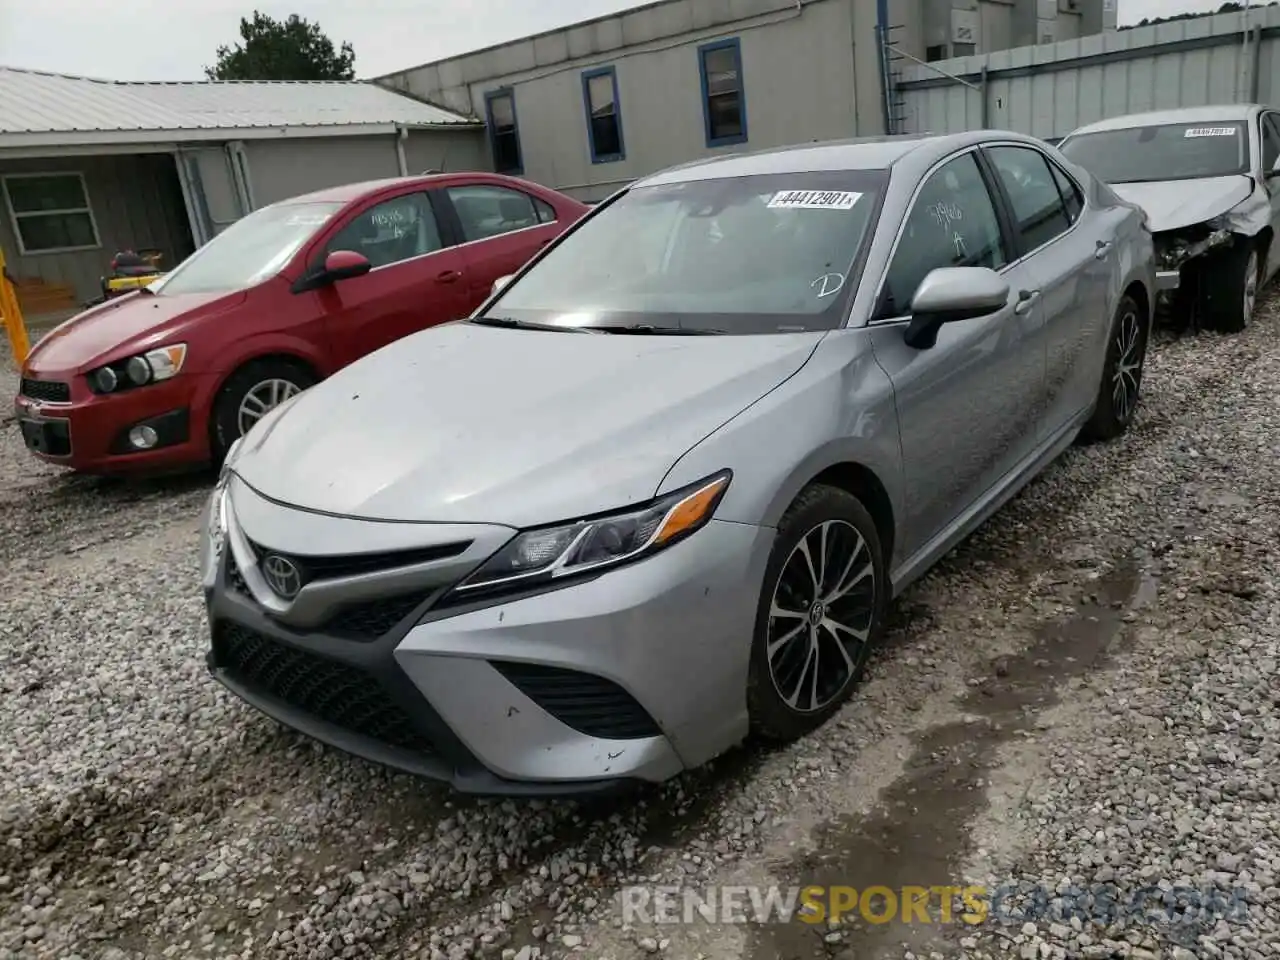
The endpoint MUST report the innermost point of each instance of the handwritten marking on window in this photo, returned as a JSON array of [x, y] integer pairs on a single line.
[[828, 285]]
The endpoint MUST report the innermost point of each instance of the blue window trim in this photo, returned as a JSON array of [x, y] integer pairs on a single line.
[[489, 97], [734, 45], [587, 77]]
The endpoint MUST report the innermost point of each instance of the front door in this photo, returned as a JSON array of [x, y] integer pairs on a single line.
[[969, 408], [501, 229], [1073, 268], [416, 281], [1271, 161]]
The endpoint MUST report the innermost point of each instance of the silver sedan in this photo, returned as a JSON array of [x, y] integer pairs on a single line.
[[657, 494]]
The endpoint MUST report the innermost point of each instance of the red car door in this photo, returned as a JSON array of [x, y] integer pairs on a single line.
[[500, 229], [417, 281]]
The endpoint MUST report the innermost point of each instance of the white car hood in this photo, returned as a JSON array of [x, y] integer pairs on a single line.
[[1172, 204]]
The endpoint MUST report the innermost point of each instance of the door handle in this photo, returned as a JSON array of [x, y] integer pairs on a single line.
[[1104, 247], [1026, 300], [448, 276]]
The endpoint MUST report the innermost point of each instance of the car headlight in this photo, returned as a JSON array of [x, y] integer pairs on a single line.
[[586, 546], [153, 366]]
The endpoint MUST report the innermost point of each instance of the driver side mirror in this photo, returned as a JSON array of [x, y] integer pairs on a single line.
[[500, 283], [950, 295], [339, 265]]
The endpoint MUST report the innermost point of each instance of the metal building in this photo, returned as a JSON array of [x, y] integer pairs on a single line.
[[90, 167], [592, 106]]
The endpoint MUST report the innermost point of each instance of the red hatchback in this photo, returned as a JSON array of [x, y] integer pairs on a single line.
[[172, 375]]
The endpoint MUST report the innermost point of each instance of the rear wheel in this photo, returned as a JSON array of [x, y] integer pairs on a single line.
[[1229, 287], [250, 394], [1121, 386], [819, 613]]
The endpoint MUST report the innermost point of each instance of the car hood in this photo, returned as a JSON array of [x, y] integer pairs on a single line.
[[471, 424], [136, 322], [1173, 204]]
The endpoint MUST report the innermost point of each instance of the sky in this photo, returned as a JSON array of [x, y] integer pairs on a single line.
[[176, 39]]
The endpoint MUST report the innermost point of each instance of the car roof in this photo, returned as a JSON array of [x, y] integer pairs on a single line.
[[347, 192], [1221, 113], [864, 153]]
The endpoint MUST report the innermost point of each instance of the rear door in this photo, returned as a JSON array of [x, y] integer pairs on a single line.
[[1073, 262], [416, 280], [500, 229]]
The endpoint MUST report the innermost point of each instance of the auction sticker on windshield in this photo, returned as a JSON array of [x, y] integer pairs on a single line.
[[815, 200], [1210, 132]]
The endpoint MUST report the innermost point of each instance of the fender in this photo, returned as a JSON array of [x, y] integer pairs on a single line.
[[275, 343]]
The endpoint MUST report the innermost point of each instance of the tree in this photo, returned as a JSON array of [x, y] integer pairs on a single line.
[[292, 49], [1230, 6]]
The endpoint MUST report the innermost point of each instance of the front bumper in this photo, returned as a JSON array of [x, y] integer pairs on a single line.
[[634, 675], [89, 432]]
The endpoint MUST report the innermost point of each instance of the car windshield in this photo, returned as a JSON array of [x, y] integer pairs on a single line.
[[756, 254], [1169, 151], [249, 251]]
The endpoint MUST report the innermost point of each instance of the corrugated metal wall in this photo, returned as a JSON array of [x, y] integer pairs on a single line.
[[1049, 90]]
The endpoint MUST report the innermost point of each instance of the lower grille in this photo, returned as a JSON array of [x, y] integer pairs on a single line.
[[589, 704], [49, 391], [330, 691]]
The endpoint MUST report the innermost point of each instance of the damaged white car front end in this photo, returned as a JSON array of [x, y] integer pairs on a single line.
[[1204, 177]]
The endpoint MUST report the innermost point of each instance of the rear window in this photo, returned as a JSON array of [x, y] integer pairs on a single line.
[[1171, 151]]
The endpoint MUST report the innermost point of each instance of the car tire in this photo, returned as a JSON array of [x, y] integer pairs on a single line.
[[256, 379], [1121, 388], [792, 692], [1229, 287]]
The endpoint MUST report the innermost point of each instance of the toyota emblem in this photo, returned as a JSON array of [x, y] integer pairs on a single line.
[[282, 575]]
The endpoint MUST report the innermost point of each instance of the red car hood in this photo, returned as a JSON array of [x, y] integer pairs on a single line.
[[137, 322]]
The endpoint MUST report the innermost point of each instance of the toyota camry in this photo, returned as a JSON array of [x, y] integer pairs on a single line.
[[655, 494]]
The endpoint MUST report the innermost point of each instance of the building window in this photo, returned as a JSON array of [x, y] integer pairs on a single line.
[[50, 212], [504, 131], [604, 115], [936, 52], [724, 100]]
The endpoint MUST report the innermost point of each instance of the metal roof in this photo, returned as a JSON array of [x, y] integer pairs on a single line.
[[49, 109]]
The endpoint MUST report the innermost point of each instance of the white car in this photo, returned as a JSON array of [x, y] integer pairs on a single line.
[[1206, 177]]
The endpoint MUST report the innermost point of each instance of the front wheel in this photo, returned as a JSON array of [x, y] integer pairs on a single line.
[[1121, 386], [250, 394], [1229, 287], [820, 611]]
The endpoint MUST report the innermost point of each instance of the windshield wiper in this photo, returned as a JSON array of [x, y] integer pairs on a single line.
[[514, 324], [649, 328]]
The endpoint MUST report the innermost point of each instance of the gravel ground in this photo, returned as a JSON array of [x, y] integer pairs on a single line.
[[1082, 701]]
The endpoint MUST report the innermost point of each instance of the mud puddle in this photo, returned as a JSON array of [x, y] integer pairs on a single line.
[[918, 836]]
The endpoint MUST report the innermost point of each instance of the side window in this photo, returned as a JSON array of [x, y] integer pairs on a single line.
[[1069, 191], [1270, 142], [391, 231], [952, 223], [1037, 204], [504, 131], [486, 212], [546, 212]]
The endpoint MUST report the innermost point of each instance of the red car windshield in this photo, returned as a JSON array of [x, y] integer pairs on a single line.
[[249, 251]]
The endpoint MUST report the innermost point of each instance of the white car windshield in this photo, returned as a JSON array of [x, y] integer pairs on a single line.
[[249, 251], [744, 255], [1170, 151]]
